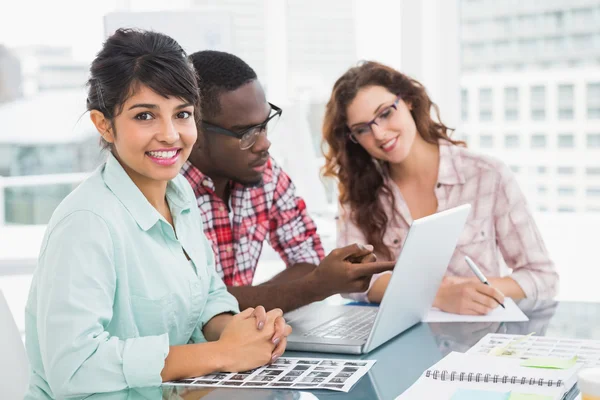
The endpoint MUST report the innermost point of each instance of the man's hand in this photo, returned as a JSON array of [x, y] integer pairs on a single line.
[[349, 269]]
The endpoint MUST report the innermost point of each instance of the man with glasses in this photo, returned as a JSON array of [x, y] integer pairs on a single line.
[[246, 198]]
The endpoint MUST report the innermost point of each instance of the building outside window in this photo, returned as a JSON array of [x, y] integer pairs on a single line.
[[594, 171], [538, 103], [464, 104], [538, 141], [566, 191], [511, 103], [593, 141], [486, 141], [565, 100], [512, 141], [593, 100], [566, 141], [486, 104], [565, 170]]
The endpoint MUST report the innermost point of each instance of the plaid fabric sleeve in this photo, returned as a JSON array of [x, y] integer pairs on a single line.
[[520, 241], [292, 233]]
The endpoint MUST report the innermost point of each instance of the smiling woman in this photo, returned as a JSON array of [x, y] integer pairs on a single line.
[[125, 293], [395, 163], [158, 134]]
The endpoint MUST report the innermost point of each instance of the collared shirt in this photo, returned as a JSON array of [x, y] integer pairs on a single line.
[[270, 210], [113, 288], [499, 228]]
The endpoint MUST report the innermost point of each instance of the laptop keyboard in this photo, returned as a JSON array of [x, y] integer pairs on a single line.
[[355, 324]]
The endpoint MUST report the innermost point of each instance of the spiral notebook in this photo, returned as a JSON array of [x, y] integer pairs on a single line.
[[493, 375]]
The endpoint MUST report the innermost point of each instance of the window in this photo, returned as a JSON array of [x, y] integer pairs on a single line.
[[485, 104], [538, 103], [502, 49], [582, 17], [486, 141], [462, 136], [559, 19], [464, 104], [542, 190], [592, 171], [565, 102], [530, 46], [582, 42], [566, 170], [503, 25], [555, 44], [5, 160], [563, 209], [566, 141], [542, 208], [566, 191], [593, 191], [511, 103], [515, 168], [538, 141], [593, 141], [542, 170], [593, 100], [512, 141]]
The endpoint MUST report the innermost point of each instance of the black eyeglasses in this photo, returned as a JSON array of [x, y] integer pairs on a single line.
[[382, 120], [248, 136]]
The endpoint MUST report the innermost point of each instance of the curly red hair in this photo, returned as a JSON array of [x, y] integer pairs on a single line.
[[361, 181]]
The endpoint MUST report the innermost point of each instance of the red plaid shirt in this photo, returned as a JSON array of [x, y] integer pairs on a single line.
[[271, 210]]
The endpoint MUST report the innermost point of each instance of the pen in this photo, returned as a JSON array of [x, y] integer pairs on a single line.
[[479, 275]]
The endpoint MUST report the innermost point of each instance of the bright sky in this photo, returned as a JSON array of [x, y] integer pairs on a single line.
[[74, 23]]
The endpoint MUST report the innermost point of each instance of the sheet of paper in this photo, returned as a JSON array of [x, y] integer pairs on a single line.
[[586, 351], [290, 373], [512, 313], [550, 362], [470, 394]]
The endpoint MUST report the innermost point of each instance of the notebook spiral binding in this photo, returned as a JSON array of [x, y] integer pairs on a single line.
[[487, 378]]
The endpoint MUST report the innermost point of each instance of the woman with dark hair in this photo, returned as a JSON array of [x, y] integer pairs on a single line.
[[395, 163], [125, 293]]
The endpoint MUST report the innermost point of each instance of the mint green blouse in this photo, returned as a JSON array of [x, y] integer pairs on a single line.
[[113, 288]]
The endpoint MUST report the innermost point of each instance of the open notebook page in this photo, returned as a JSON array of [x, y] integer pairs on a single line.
[[512, 313], [430, 388]]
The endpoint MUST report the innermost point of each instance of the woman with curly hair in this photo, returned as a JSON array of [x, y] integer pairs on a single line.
[[395, 163]]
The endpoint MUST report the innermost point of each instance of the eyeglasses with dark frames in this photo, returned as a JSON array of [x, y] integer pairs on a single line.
[[248, 136], [381, 120]]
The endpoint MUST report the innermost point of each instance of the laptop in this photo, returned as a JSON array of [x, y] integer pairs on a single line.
[[419, 270]]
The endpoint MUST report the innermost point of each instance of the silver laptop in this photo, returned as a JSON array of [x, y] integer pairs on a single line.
[[417, 275]]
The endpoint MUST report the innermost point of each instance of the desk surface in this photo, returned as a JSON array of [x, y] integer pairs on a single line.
[[402, 360]]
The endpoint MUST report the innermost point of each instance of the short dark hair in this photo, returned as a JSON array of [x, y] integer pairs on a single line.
[[132, 57], [219, 72]]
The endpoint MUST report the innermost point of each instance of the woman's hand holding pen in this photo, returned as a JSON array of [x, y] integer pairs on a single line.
[[467, 296]]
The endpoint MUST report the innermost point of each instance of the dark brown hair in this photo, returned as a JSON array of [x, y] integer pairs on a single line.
[[361, 181], [132, 57]]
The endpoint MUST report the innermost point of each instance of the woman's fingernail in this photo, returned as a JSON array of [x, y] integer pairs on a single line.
[[261, 325], [276, 341], [274, 358], [368, 247]]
